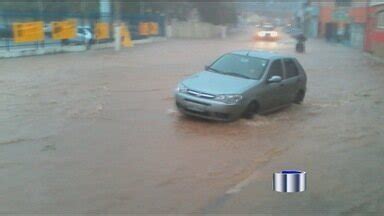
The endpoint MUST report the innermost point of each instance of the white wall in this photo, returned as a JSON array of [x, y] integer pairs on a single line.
[[190, 29]]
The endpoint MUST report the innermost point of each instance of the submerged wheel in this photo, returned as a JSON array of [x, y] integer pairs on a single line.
[[252, 109], [299, 97]]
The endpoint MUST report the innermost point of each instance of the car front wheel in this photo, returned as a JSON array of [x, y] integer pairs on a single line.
[[251, 109], [299, 98]]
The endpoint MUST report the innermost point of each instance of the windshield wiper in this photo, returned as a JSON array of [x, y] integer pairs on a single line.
[[238, 75], [228, 73], [213, 69]]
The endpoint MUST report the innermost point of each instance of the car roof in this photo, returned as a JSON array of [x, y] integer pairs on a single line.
[[260, 54]]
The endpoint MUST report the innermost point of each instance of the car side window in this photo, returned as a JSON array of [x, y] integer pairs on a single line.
[[291, 69], [276, 69]]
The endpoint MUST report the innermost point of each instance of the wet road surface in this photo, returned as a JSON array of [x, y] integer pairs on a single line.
[[97, 132]]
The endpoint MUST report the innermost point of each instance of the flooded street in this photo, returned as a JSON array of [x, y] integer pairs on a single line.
[[98, 132]]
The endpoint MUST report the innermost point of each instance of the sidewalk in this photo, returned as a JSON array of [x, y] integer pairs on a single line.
[[64, 49]]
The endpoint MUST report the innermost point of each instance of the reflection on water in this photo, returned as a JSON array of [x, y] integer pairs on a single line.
[[271, 45], [265, 45], [260, 124]]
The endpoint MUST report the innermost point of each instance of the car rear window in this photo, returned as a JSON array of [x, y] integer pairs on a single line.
[[290, 68], [276, 69]]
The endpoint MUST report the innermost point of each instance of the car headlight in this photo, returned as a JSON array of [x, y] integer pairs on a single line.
[[229, 98], [181, 88], [274, 34], [260, 34]]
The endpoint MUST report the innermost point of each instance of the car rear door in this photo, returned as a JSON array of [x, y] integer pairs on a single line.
[[291, 80]]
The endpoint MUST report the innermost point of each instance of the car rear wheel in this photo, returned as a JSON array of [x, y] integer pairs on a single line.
[[299, 97], [252, 109]]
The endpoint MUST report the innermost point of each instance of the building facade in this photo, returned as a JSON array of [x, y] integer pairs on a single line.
[[374, 37], [343, 21], [307, 18], [356, 23]]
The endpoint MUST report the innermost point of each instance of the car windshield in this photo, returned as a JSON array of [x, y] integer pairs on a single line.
[[241, 66], [268, 28]]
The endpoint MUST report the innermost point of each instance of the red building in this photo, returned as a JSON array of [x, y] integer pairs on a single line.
[[358, 23], [326, 9], [343, 21], [374, 35]]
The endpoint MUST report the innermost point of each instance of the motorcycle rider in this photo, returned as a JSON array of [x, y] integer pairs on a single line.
[[300, 44]]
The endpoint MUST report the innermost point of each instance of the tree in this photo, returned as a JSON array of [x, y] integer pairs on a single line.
[[49, 6], [218, 13]]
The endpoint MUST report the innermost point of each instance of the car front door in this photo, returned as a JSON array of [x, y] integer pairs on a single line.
[[291, 81], [274, 91]]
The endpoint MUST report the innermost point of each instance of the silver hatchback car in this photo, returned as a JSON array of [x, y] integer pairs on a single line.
[[242, 83]]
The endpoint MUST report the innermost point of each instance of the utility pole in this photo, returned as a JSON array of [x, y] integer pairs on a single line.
[[117, 22], [367, 45], [105, 10], [367, 10], [82, 8], [141, 7], [116, 11], [40, 6]]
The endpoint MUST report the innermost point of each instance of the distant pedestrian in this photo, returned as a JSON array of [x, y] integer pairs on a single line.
[[88, 44], [300, 44], [328, 35], [340, 33]]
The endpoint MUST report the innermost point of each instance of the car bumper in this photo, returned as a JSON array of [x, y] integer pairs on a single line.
[[206, 108]]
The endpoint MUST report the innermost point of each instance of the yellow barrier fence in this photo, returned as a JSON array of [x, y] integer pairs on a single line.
[[144, 29], [101, 31], [125, 36], [153, 28], [64, 29], [28, 32]]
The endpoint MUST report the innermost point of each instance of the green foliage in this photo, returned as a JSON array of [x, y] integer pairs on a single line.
[[213, 12], [50, 6], [218, 13]]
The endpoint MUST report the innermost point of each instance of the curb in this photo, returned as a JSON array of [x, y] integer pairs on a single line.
[[43, 51], [135, 42], [374, 58], [66, 49]]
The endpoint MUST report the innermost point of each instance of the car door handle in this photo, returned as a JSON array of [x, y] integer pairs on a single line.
[[281, 84]]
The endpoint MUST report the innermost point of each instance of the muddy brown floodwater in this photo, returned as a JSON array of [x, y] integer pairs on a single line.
[[97, 132]]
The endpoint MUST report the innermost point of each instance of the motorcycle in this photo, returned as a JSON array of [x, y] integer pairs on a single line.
[[300, 47]]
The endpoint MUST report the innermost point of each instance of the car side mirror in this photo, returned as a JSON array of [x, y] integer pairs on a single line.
[[275, 79]]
